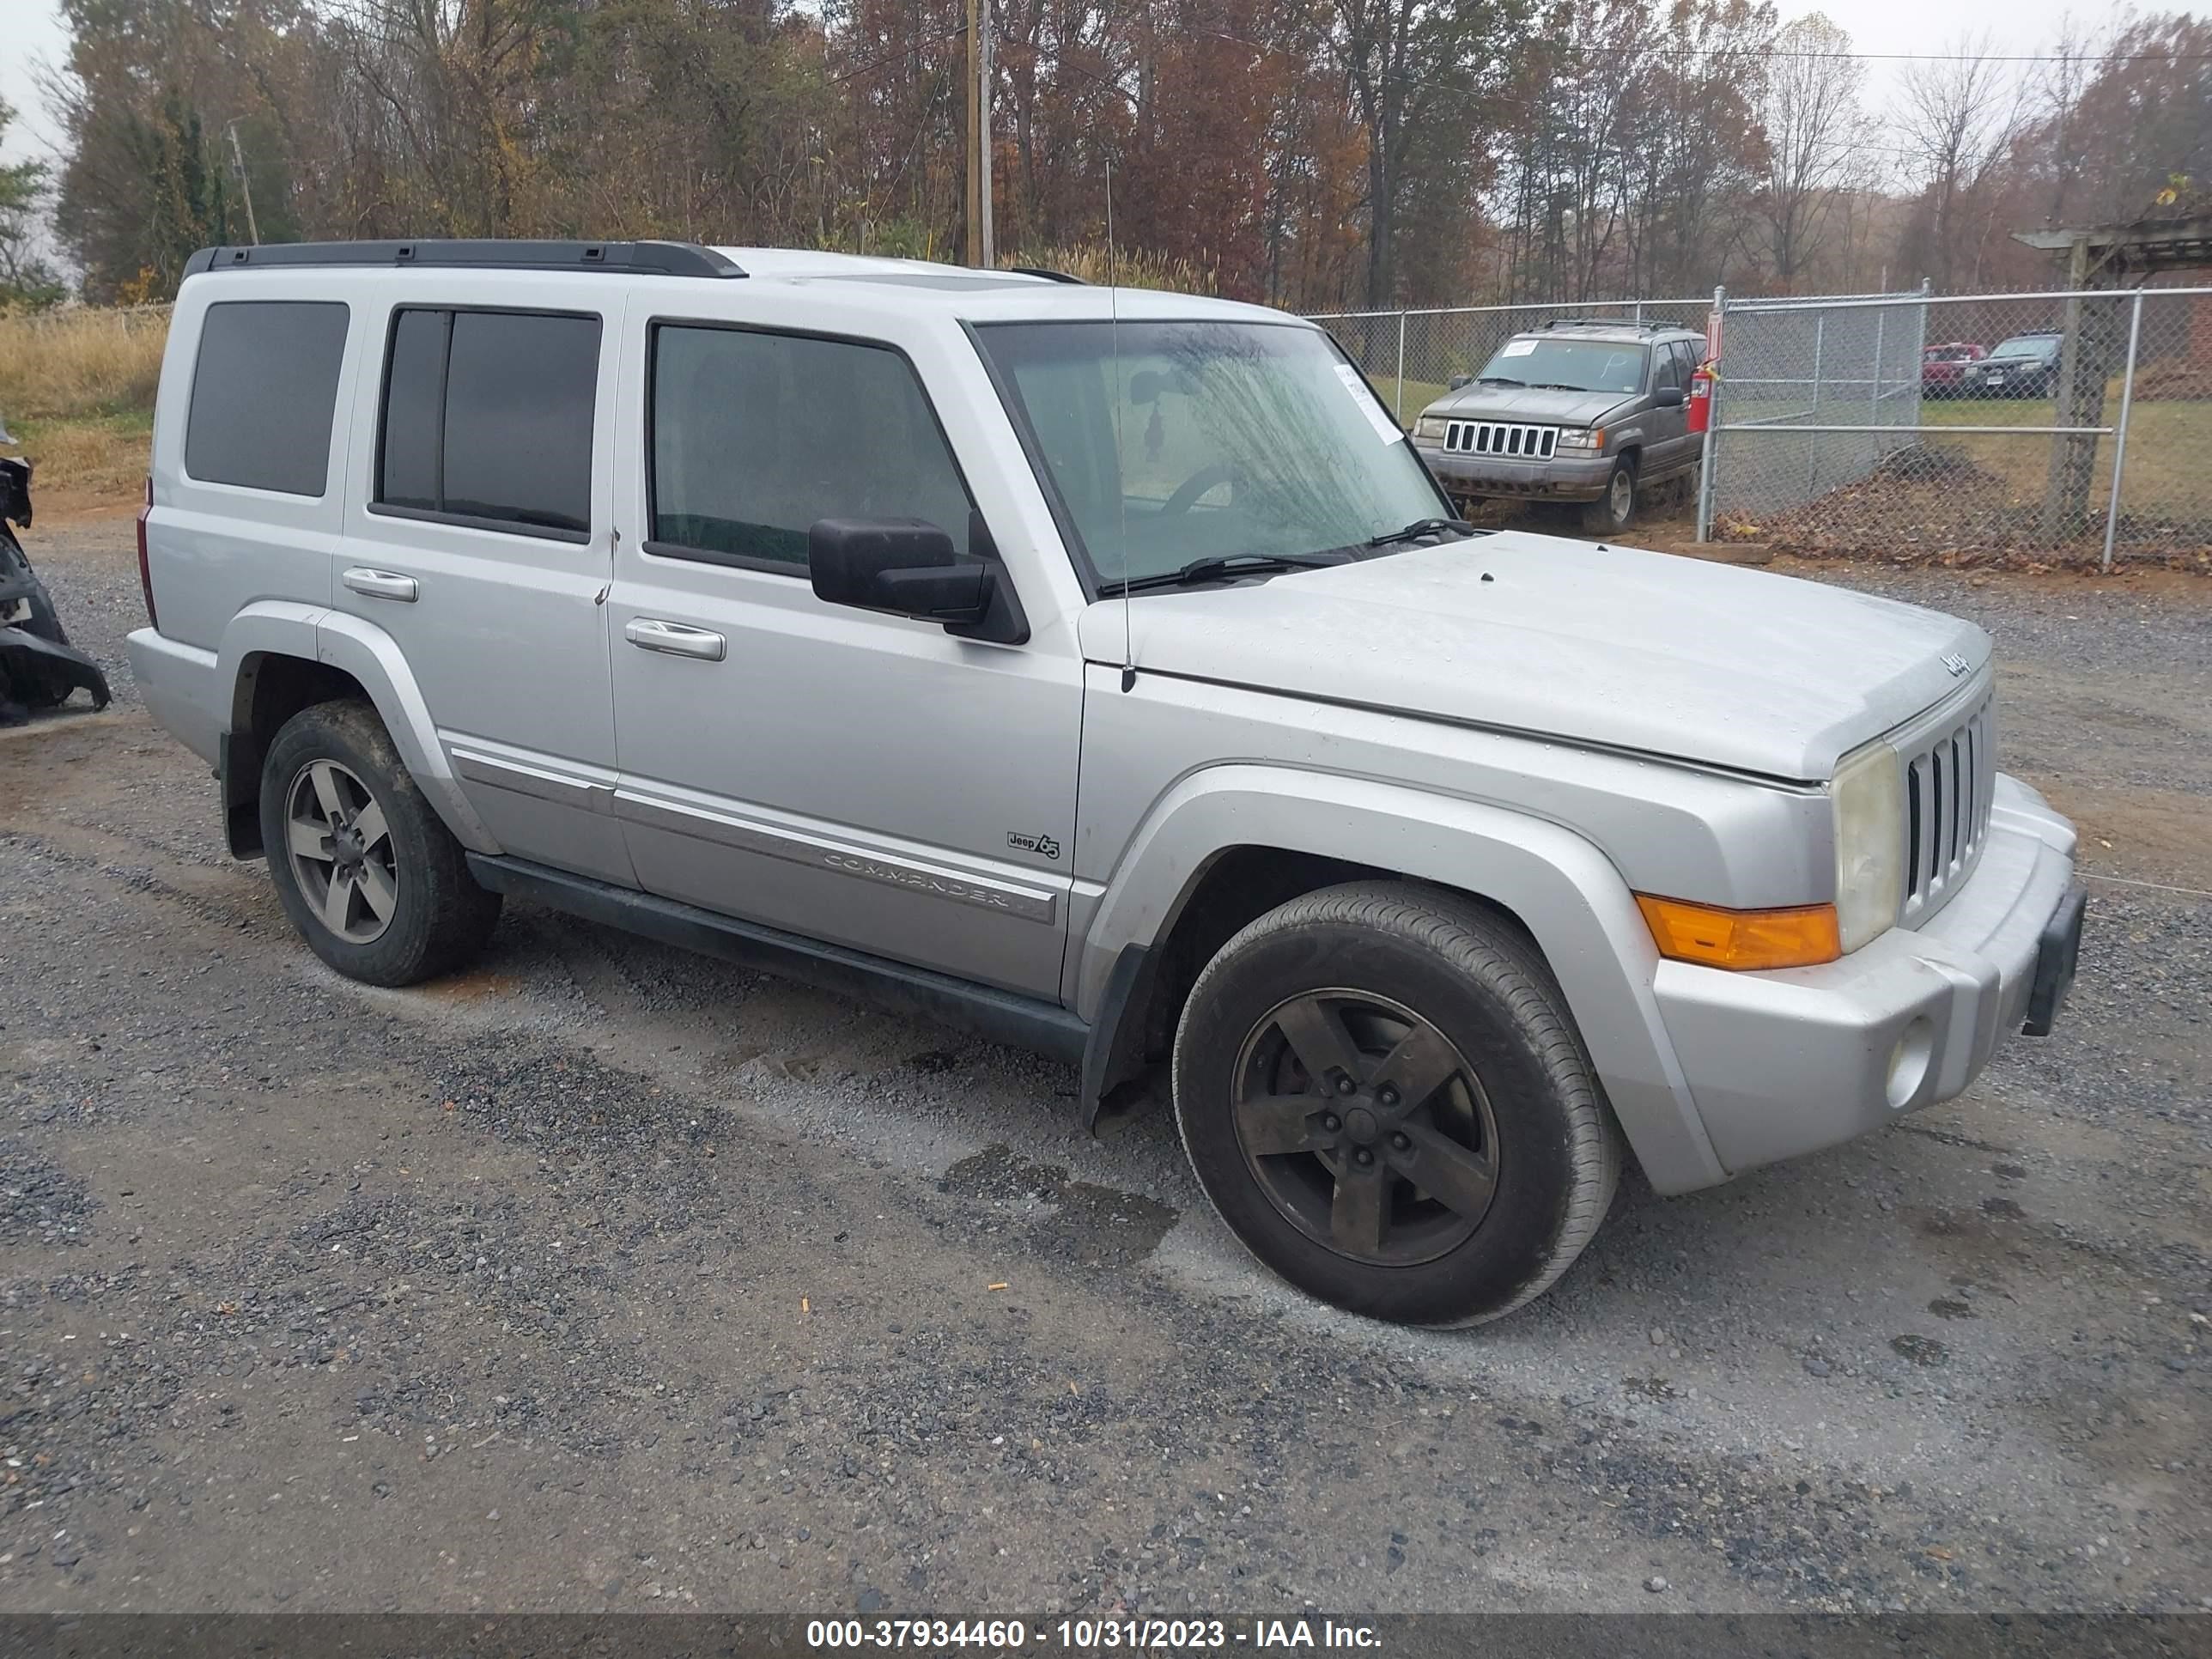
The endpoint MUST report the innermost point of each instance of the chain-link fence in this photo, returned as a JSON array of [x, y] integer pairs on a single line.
[[1909, 425], [2023, 410], [1412, 356], [1819, 399]]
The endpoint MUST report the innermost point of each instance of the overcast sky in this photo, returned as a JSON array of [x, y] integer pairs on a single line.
[[33, 35]]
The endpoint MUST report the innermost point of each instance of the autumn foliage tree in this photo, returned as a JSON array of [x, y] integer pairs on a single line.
[[1316, 154]]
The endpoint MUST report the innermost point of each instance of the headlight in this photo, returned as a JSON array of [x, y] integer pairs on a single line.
[[1868, 797], [1578, 437], [1429, 426]]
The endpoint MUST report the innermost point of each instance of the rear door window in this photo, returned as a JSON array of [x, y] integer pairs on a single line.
[[264, 388], [755, 436], [488, 418]]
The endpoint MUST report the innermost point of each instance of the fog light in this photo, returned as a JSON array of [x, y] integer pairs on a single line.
[[1908, 1063]]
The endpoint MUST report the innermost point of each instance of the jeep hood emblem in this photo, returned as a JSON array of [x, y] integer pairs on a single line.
[[1957, 664]]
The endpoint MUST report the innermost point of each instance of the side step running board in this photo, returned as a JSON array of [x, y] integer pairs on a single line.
[[1020, 1022]]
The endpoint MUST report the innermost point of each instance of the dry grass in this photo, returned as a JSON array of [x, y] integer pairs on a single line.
[[82, 361], [76, 391], [86, 461], [1090, 262]]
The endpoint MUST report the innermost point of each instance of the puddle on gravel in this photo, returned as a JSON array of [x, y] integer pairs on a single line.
[[1087, 1222]]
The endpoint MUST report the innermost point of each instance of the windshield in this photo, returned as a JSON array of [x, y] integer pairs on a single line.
[[1950, 353], [1569, 365], [2027, 346], [1234, 439]]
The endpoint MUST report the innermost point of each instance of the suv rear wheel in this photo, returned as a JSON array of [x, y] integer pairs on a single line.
[[1382, 1094], [373, 881], [1614, 510]]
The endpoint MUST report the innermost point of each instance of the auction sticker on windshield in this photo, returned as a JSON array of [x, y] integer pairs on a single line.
[[1377, 416], [1517, 347]]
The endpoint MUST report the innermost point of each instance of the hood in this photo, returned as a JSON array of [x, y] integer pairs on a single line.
[[1529, 403], [1601, 644]]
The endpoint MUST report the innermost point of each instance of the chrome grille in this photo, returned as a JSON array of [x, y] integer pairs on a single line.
[[1947, 783], [1501, 439]]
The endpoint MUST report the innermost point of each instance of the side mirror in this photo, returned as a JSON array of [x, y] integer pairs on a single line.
[[1459, 381], [904, 566], [1668, 397]]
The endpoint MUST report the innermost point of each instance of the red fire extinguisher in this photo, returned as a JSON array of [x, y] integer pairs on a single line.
[[1701, 396]]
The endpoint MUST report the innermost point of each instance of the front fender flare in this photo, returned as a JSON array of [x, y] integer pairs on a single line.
[[1563, 890]]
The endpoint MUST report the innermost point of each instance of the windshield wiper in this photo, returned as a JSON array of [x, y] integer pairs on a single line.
[[1221, 565], [1497, 379], [1554, 385], [1419, 528]]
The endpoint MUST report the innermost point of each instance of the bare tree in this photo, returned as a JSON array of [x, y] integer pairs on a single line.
[[1812, 117], [1956, 115]]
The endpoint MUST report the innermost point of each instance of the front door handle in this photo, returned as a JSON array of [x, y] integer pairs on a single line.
[[651, 634], [380, 584]]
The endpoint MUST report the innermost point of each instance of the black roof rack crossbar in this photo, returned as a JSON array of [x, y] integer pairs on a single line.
[[629, 259], [1049, 276]]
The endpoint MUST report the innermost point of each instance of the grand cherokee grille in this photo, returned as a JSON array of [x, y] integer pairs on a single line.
[[1503, 439], [1947, 782]]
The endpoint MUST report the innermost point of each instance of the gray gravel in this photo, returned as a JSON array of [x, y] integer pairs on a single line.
[[609, 1276]]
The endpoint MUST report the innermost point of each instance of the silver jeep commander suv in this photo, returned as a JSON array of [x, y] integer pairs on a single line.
[[1101, 672], [1593, 412]]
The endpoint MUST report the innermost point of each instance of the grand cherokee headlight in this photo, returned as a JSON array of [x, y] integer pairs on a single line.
[[1431, 427], [1868, 798], [1578, 437]]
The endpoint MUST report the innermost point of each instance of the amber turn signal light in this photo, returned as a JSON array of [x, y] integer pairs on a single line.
[[1798, 937]]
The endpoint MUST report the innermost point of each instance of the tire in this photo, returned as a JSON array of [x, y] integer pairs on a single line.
[[409, 910], [1614, 510], [1521, 1104]]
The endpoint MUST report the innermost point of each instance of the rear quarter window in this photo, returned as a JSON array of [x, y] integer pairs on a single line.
[[265, 388]]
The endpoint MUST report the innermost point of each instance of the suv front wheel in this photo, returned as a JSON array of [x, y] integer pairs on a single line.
[[372, 878], [1614, 510], [1383, 1095]]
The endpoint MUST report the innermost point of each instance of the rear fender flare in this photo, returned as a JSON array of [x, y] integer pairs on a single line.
[[373, 657]]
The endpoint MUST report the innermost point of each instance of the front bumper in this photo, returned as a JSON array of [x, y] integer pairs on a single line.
[[1789, 1062], [1562, 478]]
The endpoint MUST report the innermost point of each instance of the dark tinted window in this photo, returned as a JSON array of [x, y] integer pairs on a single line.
[[1669, 371], [263, 392], [755, 437], [488, 415], [414, 410]]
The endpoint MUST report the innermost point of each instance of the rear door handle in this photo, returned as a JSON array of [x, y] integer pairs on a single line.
[[380, 585], [651, 634]]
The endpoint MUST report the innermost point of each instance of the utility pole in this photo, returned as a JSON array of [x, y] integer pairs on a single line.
[[245, 184], [981, 250]]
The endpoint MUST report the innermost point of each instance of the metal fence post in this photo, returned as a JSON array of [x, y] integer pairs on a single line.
[[1813, 440], [2120, 433], [1711, 446], [1400, 403], [1874, 416]]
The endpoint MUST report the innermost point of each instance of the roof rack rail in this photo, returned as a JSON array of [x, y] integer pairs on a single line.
[[630, 259], [1648, 326], [1049, 276]]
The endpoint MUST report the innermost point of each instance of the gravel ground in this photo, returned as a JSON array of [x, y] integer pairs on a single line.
[[607, 1277]]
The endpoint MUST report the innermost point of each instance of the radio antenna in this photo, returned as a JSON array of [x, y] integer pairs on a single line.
[[1121, 480]]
